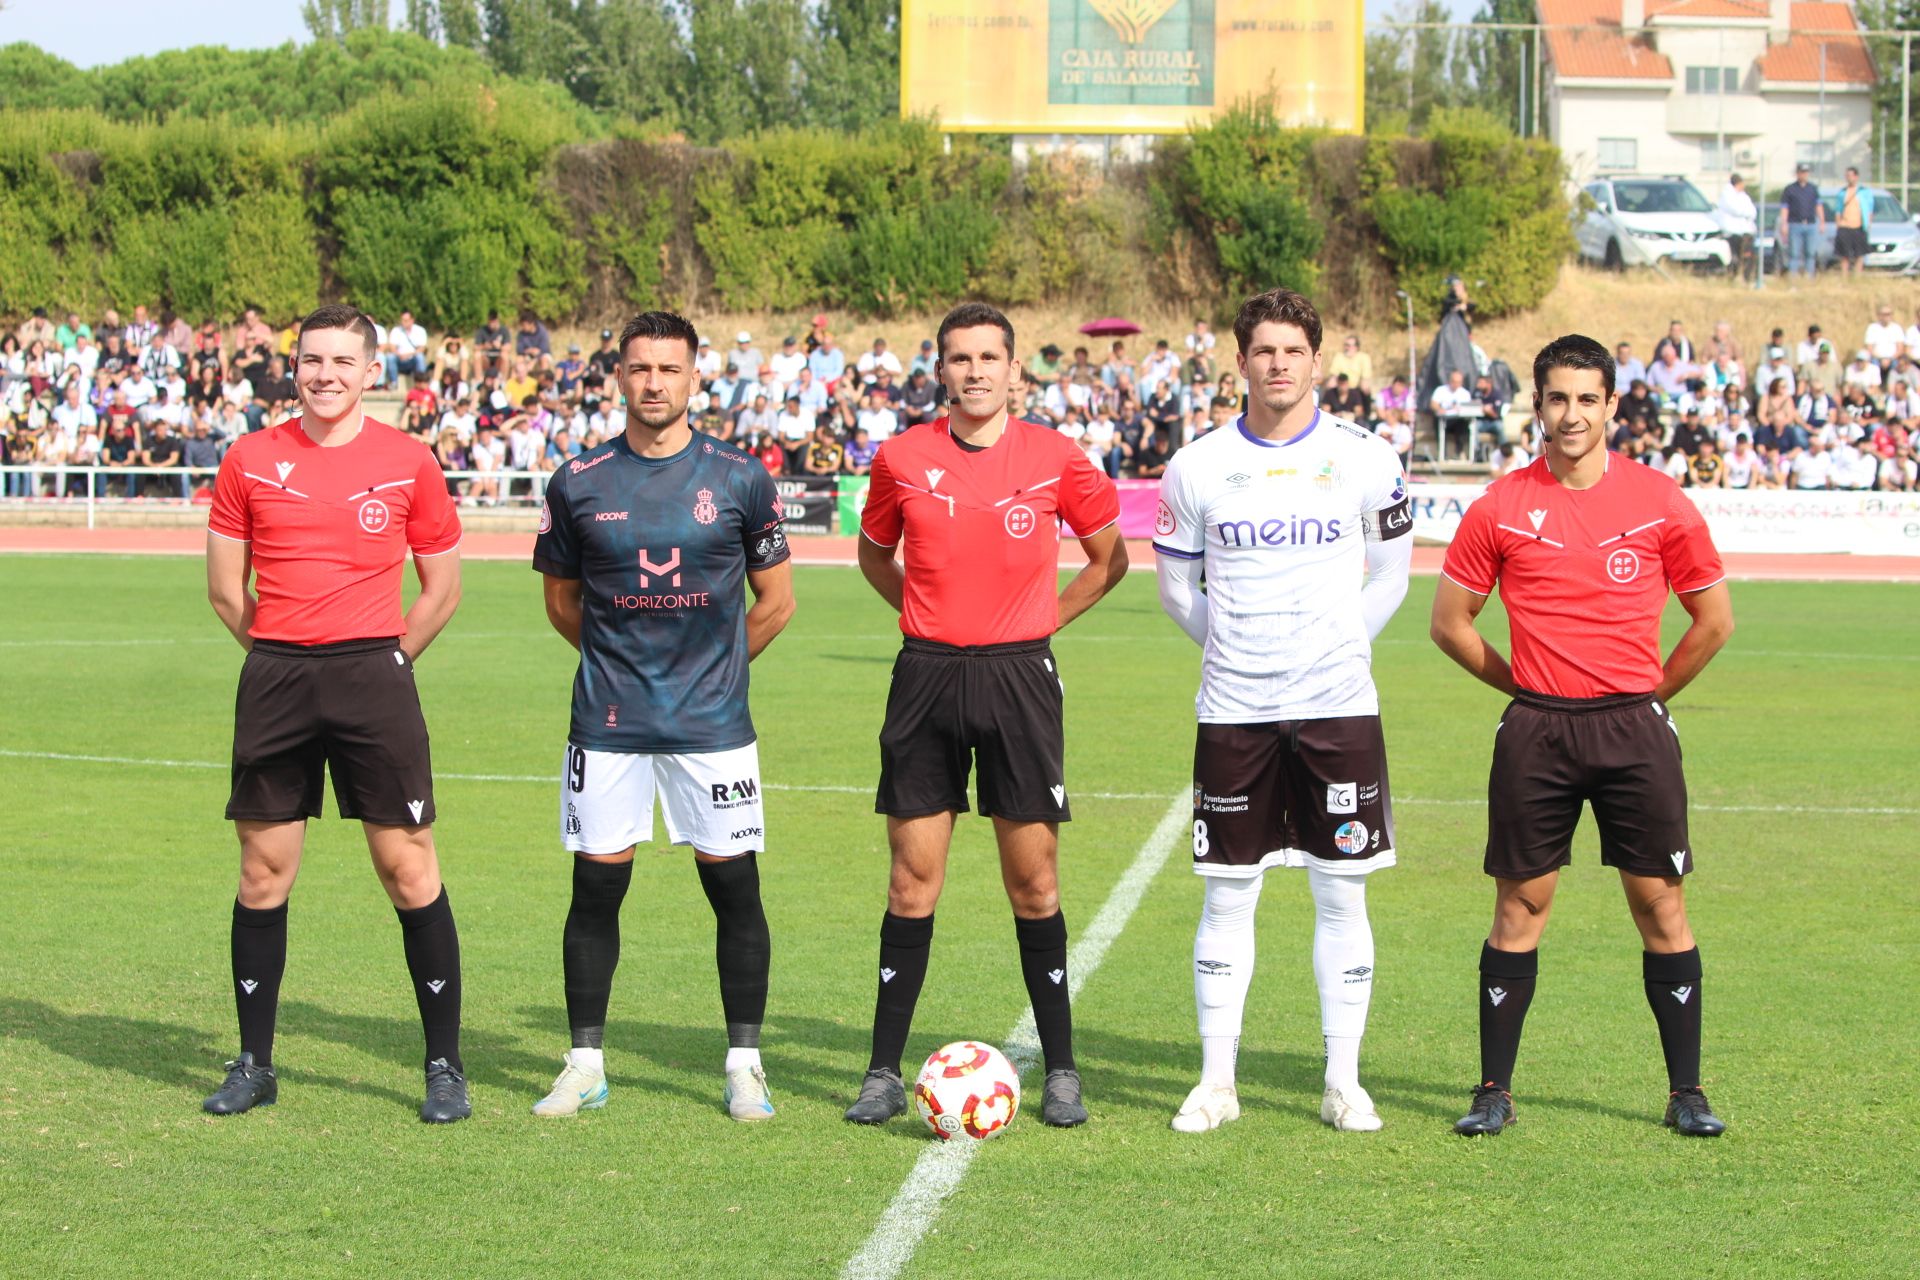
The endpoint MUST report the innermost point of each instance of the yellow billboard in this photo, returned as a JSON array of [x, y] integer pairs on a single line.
[[1128, 66]]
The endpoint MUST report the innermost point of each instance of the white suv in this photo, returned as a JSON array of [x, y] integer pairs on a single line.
[[1638, 221]]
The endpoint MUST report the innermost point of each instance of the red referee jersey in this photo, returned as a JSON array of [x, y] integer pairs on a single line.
[[982, 528], [1584, 573], [331, 528]]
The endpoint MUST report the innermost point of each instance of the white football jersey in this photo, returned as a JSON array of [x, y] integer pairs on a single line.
[[1282, 531]]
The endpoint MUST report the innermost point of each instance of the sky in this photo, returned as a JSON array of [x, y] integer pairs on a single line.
[[90, 33]]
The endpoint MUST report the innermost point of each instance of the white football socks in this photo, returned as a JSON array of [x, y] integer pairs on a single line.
[[1342, 969], [1223, 950], [737, 1058], [589, 1059]]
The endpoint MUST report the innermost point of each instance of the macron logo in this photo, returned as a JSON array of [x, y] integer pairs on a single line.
[[1681, 993], [247, 985], [416, 808], [933, 477], [1059, 795], [1056, 975], [285, 469], [435, 985], [886, 975], [1538, 517], [1679, 862], [1496, 994]]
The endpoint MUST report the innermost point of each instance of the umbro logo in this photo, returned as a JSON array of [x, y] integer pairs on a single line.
[[435, 984], [416, 808], [1496, 994], [1360, 972], [247, 985], [1213, 966], [1681, 993], [285, 469], [1238, 478], [1056, 975], [1679, 861], [1538, 518], [933, 477], [886, 975], [1059, 795]]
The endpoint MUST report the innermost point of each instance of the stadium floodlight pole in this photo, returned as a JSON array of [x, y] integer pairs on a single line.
[[1906, 115], [1412, 377]]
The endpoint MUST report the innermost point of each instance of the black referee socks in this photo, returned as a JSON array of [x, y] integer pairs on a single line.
[[590, 946], [741, 946], [905, 942], [1673, 991], [1506, 989], [433, 958], [1043, 963], [259, 945]]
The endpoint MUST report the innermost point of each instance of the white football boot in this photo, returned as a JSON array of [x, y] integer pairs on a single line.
[[1349, 1110], [746, 1094], [578, 1089], [1208, 1107]]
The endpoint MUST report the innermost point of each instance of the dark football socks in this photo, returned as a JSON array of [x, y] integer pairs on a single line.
[[741, 946], [1506, 989], [1043, 963], [259, 945], [433, 958], [590, 946], [1673, 990], [904, 945]]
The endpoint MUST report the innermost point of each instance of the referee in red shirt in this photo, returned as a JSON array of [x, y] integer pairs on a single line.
[[975, 501], [1585, 549], [322, 512]]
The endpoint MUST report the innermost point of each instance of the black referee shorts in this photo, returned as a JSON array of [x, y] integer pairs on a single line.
[[351, 707], [1620, 754], [997, 704]]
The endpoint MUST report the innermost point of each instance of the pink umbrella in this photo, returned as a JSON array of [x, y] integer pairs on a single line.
[[1111, 327]]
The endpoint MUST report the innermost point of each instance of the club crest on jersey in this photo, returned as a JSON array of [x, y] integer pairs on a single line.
[[703, 509], [374, 516], [1163, 521], [1327, 476], [546, 517], [1351, 838]]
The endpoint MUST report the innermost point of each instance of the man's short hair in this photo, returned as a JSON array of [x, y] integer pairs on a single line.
[[1574, 351], [1277, 306], [660, 326], [338, 315], [973, 315]]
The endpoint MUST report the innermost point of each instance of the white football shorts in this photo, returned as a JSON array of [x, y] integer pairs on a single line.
[[711, 800]]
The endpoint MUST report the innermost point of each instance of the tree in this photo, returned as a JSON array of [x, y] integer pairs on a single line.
[[1504, 64], [853, 64], [1887, 51], [335, 19], [636, 62]]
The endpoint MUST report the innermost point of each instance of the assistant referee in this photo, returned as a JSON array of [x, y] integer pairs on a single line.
[[1585, 552], [321, 512], [973, 503]]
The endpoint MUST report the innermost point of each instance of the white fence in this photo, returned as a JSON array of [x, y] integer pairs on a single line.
[[34, 485]]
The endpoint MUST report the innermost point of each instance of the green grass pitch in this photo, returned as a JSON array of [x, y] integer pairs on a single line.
[[115, 1010]]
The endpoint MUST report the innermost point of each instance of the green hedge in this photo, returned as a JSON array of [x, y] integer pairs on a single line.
[[456, 199]]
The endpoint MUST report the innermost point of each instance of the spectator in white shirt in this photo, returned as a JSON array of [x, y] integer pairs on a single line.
[[879, 421], [1159, 367], [1738, 222], [1812, 469], [1885, 339], [1455, 409], [706, 361], [1808, 350], [405, 351], [1863, 372], [788, 361], [870, 363], [1063, 395]]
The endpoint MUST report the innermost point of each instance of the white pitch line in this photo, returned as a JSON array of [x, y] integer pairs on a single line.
[[938, 1171], [829, 789]]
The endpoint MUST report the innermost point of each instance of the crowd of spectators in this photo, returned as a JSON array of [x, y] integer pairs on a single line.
[[84, 401]]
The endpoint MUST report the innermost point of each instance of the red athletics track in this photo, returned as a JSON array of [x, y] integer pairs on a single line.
[[477, 545]]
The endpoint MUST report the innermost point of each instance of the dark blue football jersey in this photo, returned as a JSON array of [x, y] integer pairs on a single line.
[[661, 547]]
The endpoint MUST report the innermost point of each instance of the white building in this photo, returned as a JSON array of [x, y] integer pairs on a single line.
[[1705, 88]]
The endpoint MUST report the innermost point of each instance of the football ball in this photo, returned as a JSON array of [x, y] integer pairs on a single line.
[[967, 1090]]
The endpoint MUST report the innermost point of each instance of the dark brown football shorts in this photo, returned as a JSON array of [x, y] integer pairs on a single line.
[[1291, 793]]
